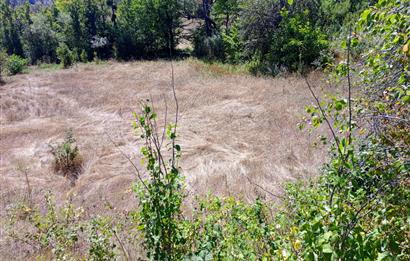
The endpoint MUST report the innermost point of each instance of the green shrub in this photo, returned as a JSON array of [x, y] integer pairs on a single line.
[[65, 55], [83, 56], [67, 158], [208, 47], [40, 40], [99, 236], [298, 44], [15, 64], [229, 229], [233, 47], [55, 232], [160, 195], [57, 229]]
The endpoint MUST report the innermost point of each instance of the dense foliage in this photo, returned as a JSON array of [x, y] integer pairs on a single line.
[[357, 209], [15, 64], [269, 35]]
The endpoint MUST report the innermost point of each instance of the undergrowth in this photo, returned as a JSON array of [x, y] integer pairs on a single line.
[[357, 209]]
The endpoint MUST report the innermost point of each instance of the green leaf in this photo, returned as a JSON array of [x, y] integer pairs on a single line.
[[327, 248]]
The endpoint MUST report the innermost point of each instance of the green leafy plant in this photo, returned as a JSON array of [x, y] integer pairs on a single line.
[[160, 196], [233, 47], [385, 75], [229, 229], [297, 44], [100, 233], [58, 229], [67, 158], [65, 55], [83, 56], [15, 64]]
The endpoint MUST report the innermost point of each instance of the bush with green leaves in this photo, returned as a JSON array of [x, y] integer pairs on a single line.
[[229, 229], [65, 55], [54, 230], [100, 234], [385, 73], [297, 44], [160, 196], [233, 46], [15, 64], [208, 47], [13, 20], [147, 28], [67, 158]]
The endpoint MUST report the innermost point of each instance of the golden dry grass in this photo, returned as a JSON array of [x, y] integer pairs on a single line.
[[236, 131]]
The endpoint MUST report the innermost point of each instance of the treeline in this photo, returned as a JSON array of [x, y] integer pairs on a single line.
[[268, 35]]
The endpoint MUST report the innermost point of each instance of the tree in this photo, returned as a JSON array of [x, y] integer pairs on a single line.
[[226, 12], [40, 41], [12, 23], [147, 27]]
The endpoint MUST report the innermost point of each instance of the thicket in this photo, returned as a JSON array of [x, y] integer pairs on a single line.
[[268, 35]]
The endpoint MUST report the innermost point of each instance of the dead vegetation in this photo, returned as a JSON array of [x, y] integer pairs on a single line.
[[238, 133]]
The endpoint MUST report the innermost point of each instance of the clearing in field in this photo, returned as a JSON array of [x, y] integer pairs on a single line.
[[238, 133]]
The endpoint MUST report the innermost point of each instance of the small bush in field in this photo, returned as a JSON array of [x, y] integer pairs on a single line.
[[65, 55], [67, 158], [15, 64]]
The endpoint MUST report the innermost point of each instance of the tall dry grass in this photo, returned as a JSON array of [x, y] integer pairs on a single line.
[[238, 133]]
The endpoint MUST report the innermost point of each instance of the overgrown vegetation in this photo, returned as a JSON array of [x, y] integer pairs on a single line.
[[60, 230], [269, 35], [357, 209], [65, 56], [15, 64]]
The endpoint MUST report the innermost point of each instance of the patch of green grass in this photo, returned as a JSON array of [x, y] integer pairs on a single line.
[[49, 66], [219, 68]]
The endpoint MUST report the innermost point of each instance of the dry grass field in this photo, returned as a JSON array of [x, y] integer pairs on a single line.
[[238, 133]]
